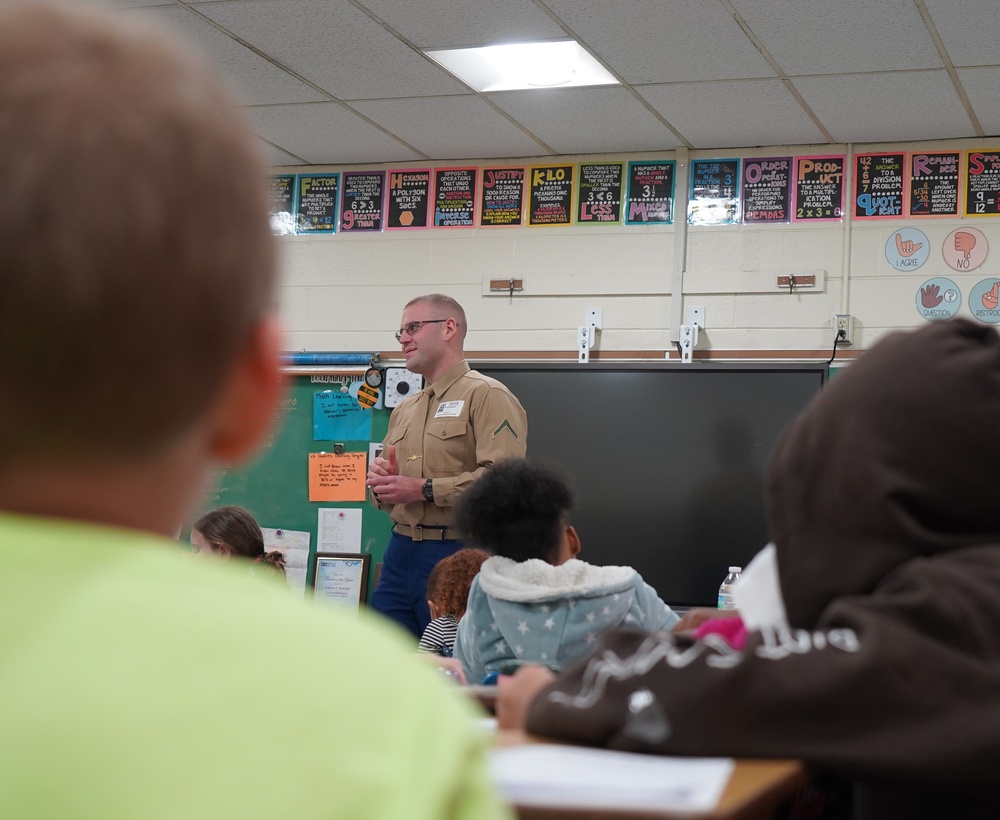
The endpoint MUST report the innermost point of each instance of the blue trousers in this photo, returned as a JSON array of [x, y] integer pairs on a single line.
[[401, 591]]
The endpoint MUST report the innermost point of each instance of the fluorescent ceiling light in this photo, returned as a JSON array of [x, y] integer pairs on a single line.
[[559, 64]]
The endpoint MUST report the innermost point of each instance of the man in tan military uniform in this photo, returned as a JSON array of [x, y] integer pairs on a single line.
[[440, 440]]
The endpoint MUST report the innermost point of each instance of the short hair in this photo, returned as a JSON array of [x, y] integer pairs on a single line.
[[516, 509], [236, 528], [447, 304], [449, 582], [135, 253]]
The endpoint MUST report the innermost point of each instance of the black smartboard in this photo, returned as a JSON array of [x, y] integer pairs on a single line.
[[667, 459]]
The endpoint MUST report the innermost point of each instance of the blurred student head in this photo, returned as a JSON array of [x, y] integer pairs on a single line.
[[449, 582], [230, 532]]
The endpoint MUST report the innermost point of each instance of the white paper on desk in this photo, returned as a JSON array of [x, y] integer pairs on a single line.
[[575, 777], [339, 529]]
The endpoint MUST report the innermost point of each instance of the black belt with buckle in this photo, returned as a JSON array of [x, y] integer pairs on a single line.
[[420, 533]]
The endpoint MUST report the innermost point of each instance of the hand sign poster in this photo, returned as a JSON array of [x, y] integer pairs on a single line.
[[965, 249], [983, 301], [938, 298], [907, 249]]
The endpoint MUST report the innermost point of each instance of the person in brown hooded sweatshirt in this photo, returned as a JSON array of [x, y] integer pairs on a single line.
[[884, 509]]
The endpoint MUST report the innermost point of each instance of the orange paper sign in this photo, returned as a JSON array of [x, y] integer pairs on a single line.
[[337, 476]]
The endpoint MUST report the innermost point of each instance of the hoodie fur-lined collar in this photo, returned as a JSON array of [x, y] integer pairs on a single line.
[[536, 580]]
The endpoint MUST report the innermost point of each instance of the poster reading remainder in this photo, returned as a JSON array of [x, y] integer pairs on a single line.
[[501, 203], [455, 197], [281, 190], [934, 184], [551, 201], [982, 183], [715, 192], [878, 185], [361, 201], [600, 197], [409, 194], [337, 476], [766, 189], [650, 196], [316, 203], [819, 188]]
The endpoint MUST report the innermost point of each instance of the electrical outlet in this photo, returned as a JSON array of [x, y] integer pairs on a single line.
[[843, 323]]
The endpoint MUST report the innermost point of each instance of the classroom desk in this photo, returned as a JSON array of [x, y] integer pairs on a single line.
[[755, 790]]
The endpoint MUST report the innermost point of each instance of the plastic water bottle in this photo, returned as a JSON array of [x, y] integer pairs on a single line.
[[726, 590]]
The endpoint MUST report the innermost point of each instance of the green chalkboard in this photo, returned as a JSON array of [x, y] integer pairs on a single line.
[[274, 486]]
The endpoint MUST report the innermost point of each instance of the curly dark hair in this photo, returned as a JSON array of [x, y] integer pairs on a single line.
[[449, 582], [516, 509]]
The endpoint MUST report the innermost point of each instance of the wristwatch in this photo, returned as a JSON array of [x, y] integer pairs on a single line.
[[428, 490]]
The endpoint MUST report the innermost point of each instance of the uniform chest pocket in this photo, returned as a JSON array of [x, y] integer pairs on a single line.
[[445, 446]]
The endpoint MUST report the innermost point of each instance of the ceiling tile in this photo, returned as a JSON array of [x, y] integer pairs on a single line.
[[428, 124], [275, 157], [982, 86], [326, 134], [587, 120], [969, 30], [735, 114]]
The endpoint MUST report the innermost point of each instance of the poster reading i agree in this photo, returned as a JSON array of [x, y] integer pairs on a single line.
[[878, 185], [600, 197], [819, 188], [455, 198], [361, 201], [551, 200], [502, 200], [766, 189], [650, 197], [409, 194], [316, 203], [982, 183], [934, 184]]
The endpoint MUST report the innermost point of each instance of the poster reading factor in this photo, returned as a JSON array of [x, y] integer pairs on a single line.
[[551, 200], [501, 203], [600, 197], [878, 185], [934, 184], [281, 191], [715, 192], [361, 201], [819, 188], [982, 183], [455, 198], [407, 200], [316, 203], [650, 193], [766, 189]]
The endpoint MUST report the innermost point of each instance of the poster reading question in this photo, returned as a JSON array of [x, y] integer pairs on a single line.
[[455, 197], [316, 203], [551, 200], [819, 188], [766, 189], [878, 185], [361, 201], [650, 197], [501, 203], [409, 195], [934, 184], [982, 183], [600, 197]]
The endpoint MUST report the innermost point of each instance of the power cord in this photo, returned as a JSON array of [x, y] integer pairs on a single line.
[[841, 336]]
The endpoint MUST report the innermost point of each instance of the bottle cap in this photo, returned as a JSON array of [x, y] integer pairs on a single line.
[[736, 569]]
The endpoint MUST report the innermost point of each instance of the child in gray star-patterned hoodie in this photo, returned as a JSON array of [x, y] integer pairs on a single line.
[[534, 601]]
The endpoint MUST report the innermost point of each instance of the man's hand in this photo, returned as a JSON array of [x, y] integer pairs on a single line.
[[384, 466], [515, 695], [389, 485]]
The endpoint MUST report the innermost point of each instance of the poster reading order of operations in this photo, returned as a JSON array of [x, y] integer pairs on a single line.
[[766, 190], [316, 203], [878, 185], [650, 197], [408, 196], [361, 201], [455, 197], [819, 188], [600, 197], [934, 184], [502, 200], [551, 201], [982, 183]]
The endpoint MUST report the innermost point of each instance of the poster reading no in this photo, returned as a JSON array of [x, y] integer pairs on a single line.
[[455, 198], [650, 197], [934, 184], [361, 201], [316, 203], [819, 188], [766, 189], [551, 195], [600, 198], [501, 203], [878, 185], [409, 194], [982, 183]]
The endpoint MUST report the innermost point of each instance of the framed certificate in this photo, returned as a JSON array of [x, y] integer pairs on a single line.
[[341, 577]]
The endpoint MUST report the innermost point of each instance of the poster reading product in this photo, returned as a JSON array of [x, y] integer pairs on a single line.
[[766, 189], [934, 184], [650, 197], [982, 183], [316, 203], [361, 201], [600, 197], [409, 195], [715, 192], [551, 200], [502, 200], [455, 198], [819, 188], [281, 190], [878, 185]]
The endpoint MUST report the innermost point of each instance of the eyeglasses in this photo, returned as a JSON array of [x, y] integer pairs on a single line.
[[412, 327]]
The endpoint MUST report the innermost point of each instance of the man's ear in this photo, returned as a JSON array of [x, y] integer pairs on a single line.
[[245, 407]]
